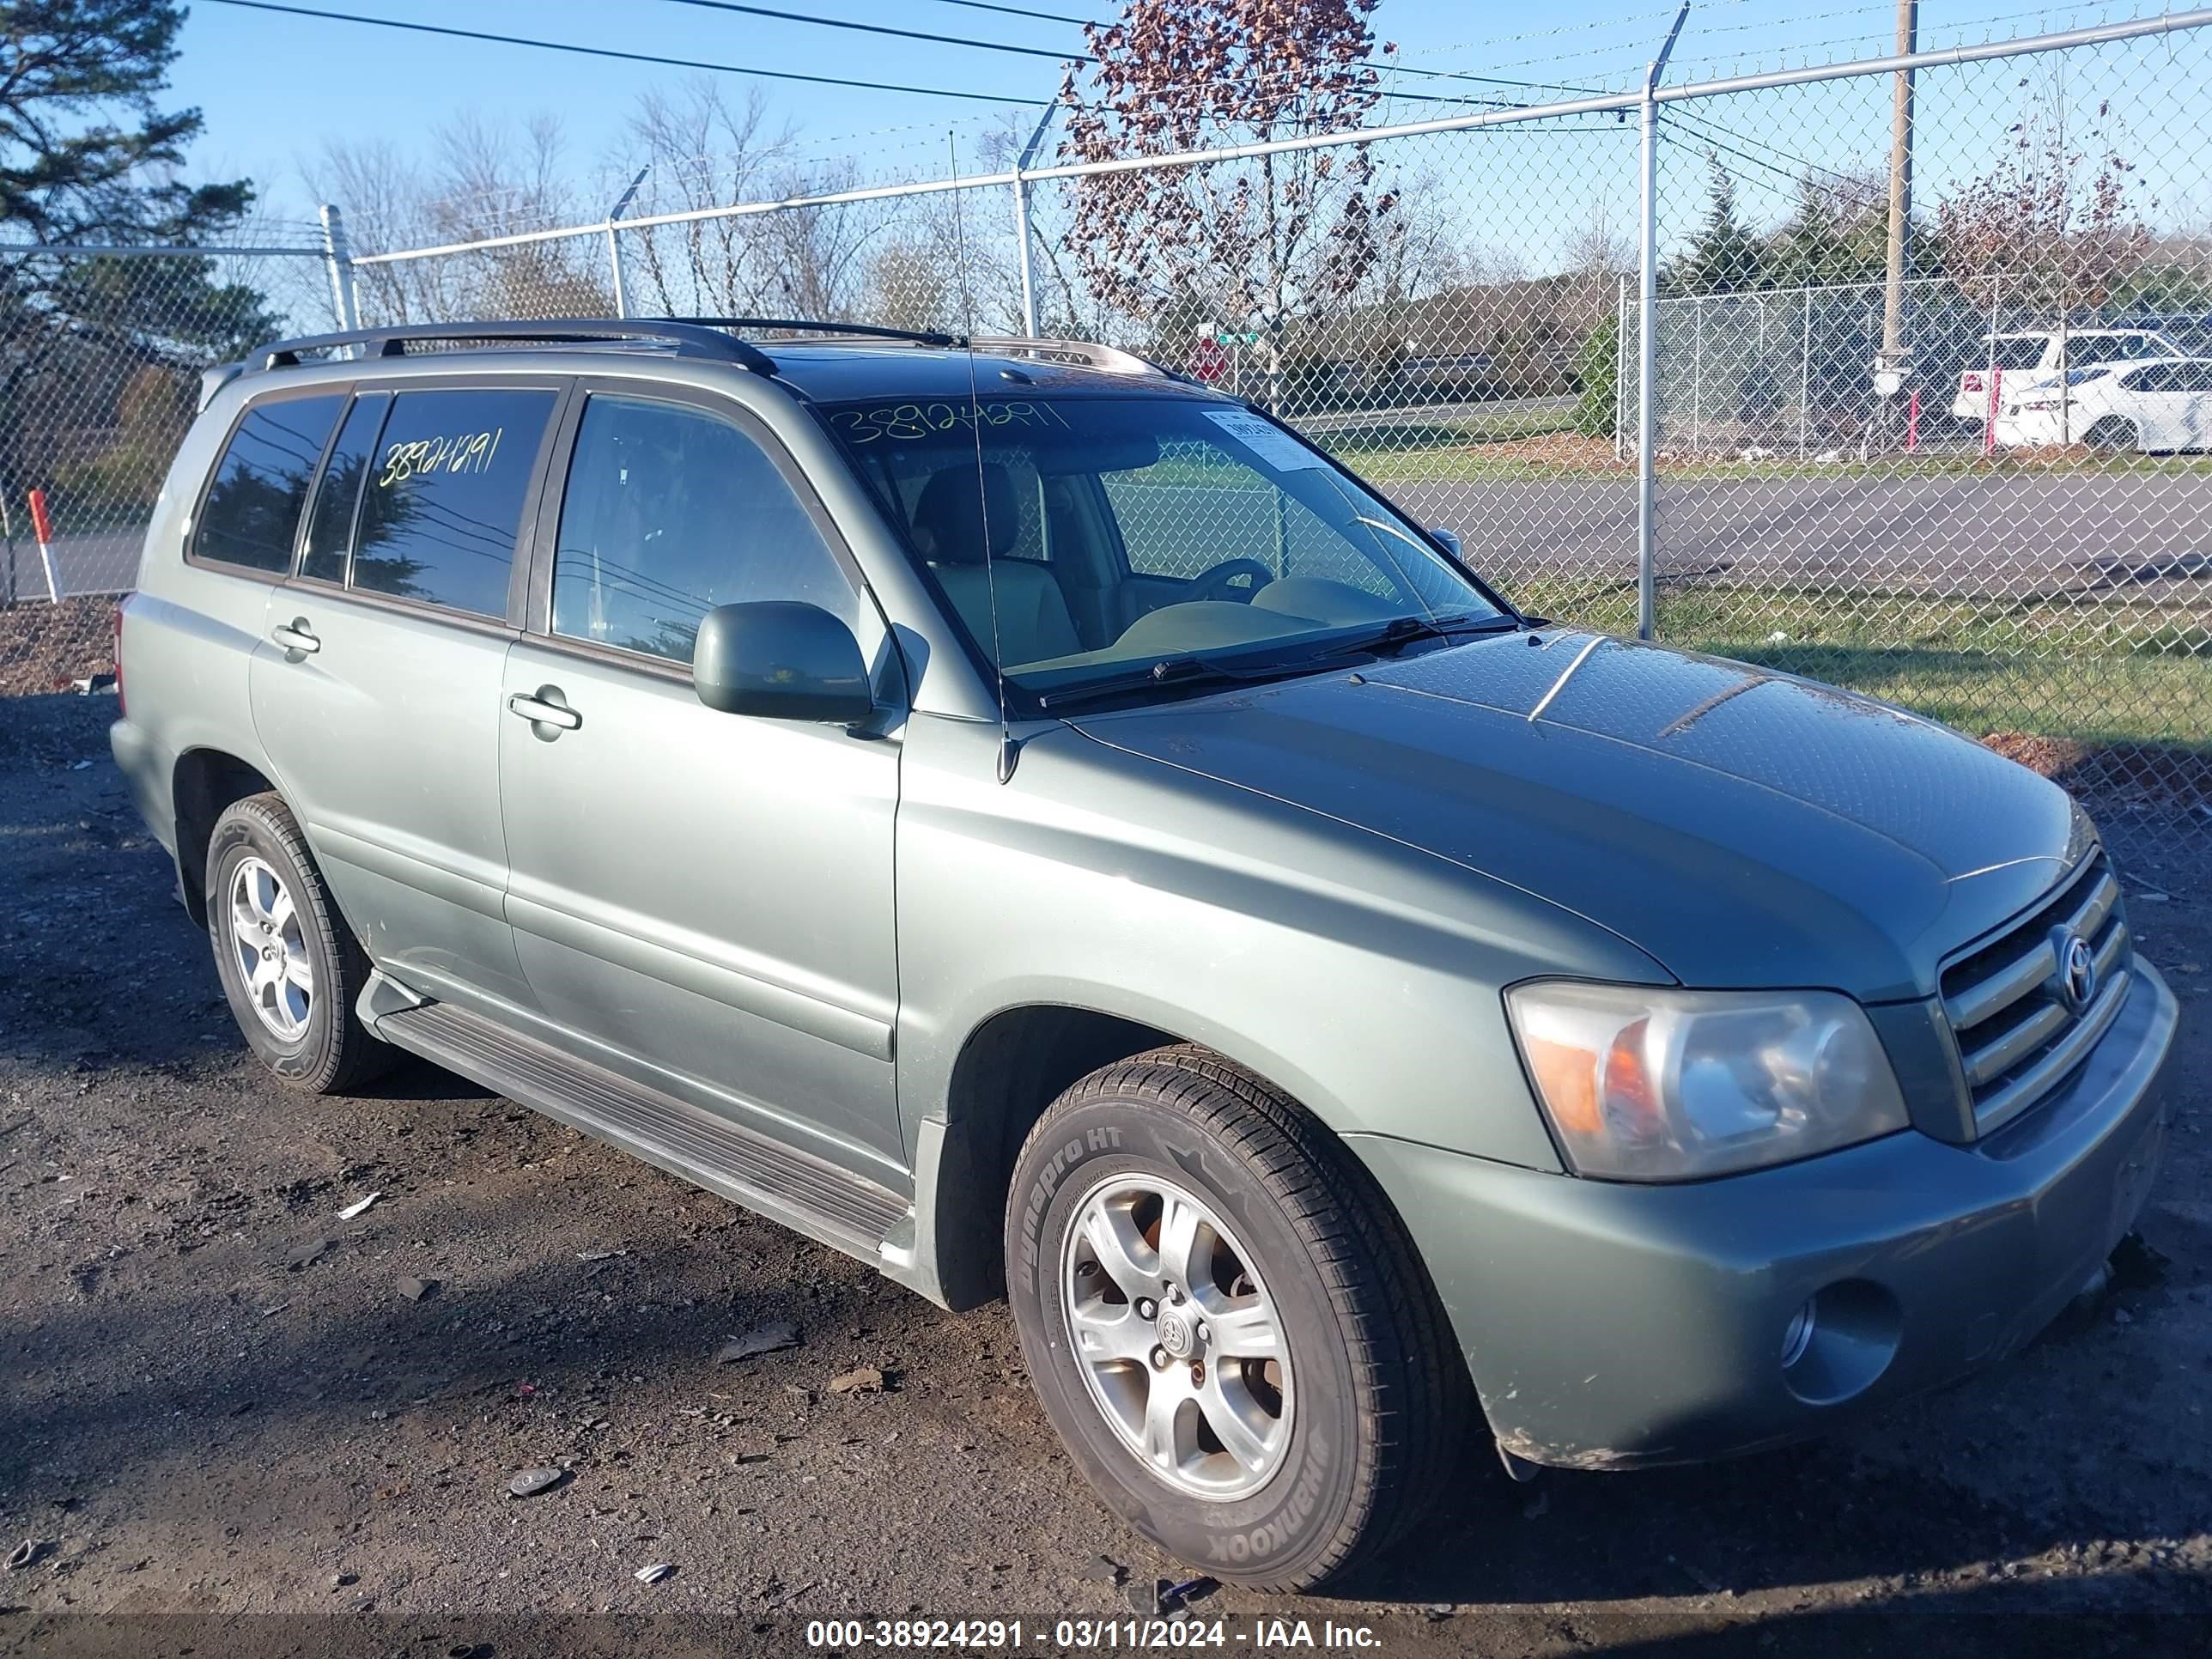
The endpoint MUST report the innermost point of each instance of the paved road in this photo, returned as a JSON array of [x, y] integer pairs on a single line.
[[1977, 536], [2150, 537], [1461, 413], [100, 562]]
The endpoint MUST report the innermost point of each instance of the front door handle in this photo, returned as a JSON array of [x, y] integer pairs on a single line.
[[297, 635], [544, 709]]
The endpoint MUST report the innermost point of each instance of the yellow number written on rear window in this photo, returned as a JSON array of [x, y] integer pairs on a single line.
[[464, 452]]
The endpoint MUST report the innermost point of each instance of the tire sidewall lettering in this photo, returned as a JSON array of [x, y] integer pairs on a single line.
[[1265, 1532]]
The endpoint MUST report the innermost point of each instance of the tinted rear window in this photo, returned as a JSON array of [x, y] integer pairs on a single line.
[[442, 498], [330, 527], [252, 510]]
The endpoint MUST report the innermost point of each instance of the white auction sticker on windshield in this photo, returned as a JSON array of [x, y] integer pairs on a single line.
[[1270, 443]]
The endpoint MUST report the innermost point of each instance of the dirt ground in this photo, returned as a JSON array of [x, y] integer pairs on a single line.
[[219, 1398]]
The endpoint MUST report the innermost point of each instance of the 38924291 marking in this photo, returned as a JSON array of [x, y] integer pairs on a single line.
[[461, 451], [907, 422]]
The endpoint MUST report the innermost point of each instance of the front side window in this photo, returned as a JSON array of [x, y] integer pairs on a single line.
[[443, 493], [1180, 539], [251, 512], [671, 511], [2015, 352]]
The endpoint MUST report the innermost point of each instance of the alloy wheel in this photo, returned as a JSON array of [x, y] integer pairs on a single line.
[[1180, 1344], [270, 951]]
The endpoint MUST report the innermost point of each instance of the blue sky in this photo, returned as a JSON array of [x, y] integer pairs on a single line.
[[274, 87]]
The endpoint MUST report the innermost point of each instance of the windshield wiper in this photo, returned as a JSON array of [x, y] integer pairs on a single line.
[[1167, 672], [1189, 671], [1404, 630]]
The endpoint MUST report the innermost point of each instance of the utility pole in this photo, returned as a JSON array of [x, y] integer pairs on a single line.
[[1890, 368]]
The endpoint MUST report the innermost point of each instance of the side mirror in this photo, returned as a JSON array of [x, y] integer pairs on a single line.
[[1448, 537], [779, 659]]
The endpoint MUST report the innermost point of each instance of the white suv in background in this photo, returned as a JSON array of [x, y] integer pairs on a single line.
[[2153, 408], [2030, 360]]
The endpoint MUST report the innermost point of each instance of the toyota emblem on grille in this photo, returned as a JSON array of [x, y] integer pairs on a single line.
[[2077, 969]]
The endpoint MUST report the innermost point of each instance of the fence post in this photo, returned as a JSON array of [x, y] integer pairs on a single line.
[[1805, 379], [339, 258], [1647, 347], [614, 241], [1698, 374], [1022, 212], [1022, 251], [1620, 368]]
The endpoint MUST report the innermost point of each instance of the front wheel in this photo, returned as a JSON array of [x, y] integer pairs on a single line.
[[1225, 1324]]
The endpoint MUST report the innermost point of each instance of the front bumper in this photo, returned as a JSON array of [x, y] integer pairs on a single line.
[[1611, 1326]]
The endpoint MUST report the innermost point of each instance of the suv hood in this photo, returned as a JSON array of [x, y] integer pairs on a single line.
[[1744, 828]]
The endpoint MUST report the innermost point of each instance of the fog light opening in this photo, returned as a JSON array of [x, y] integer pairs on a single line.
[[1796, 1336], [1839, 1342]]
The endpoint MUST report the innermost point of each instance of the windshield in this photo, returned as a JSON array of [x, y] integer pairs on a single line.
[[1121, 546], [2088, 350]]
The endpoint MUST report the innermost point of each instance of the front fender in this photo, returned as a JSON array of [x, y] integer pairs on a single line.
[[1358, 976]]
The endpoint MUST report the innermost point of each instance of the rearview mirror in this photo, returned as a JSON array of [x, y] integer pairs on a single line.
[[1448, 537], [779, 659], [1126, 452]]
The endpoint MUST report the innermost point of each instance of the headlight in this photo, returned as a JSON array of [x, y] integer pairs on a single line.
[[1645, 1084]]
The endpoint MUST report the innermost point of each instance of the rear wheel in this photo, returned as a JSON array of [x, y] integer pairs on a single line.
[[290, 966], [1225, 1323], [2113, 432]]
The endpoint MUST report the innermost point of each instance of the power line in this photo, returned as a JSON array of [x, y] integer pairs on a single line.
[[1021, 11], [1390, 64], [727, 69], [632, 56], [882, 29]]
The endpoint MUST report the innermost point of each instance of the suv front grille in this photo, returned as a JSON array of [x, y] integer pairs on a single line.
[[2019, 1031]]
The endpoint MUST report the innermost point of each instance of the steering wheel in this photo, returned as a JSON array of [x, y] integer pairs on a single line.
[[1214, 584]]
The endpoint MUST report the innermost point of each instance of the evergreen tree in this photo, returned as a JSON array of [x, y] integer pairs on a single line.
[[87, 155], [1724, 256]]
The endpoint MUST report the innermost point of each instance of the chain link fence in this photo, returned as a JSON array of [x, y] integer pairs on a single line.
[[1973, 477], [101, 351], [100, 357]]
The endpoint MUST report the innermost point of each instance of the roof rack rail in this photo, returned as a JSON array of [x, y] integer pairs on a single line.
[[1087, 354], [690, 339], [800, 325]]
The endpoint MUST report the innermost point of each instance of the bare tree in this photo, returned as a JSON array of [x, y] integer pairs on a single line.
[[1603, 249], [1257, 243], [700, 149], [490, 182], [2054, 224]]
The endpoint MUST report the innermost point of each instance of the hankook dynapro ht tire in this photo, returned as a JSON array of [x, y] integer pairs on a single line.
[[289, 963], [1226, 1324]]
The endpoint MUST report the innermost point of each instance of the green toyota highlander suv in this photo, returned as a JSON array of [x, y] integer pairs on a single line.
[[1038, 825]]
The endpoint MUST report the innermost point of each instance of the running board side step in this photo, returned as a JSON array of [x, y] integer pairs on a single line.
[[806, 1193]]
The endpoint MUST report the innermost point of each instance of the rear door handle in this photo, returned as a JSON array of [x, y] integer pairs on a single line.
[[540, 712], [297, 635]]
